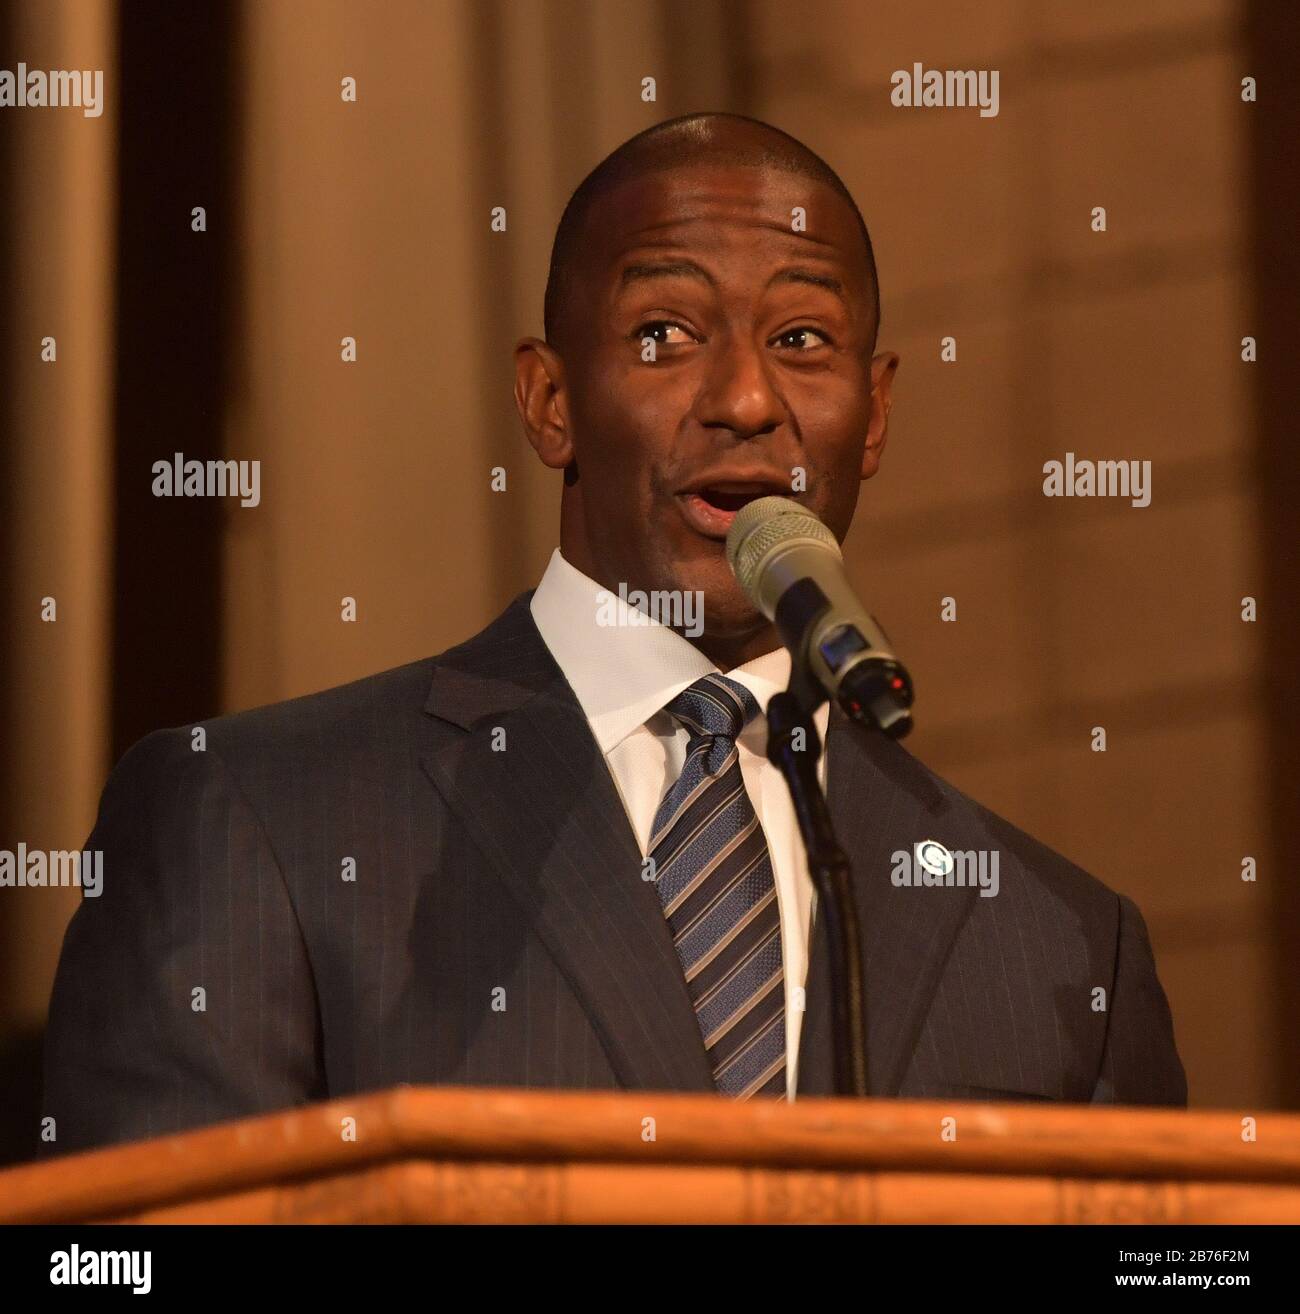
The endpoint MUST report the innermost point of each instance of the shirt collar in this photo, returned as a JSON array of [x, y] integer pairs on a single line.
[[623, 673]]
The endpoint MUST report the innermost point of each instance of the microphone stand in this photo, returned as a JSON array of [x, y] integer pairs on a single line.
[[828, 865]]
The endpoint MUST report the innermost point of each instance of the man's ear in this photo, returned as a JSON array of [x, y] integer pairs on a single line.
[[883, 367], [540, 400]]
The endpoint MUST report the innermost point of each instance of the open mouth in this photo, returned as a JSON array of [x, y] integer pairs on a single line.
[[710, 508]]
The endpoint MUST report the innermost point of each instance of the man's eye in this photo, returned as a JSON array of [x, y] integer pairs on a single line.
[[658, 329], [802, 339]]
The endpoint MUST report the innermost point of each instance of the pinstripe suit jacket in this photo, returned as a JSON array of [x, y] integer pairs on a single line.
[[496, 930]]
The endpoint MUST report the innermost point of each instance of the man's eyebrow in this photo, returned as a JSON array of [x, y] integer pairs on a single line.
[[634, 273], [797, 275], [663, 269]]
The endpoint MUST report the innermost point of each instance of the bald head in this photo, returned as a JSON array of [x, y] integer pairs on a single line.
[[702, 350], [733, 139]]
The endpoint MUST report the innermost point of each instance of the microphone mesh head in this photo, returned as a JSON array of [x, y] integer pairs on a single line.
[[762, 524]]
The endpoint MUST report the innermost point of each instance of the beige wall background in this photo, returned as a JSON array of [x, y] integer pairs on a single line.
[[55, 281], [371, 220]]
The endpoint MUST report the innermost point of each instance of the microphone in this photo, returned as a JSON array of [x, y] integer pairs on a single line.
[[791, 569]]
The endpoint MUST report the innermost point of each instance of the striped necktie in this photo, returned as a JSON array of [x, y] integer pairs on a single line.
[[714, 877]]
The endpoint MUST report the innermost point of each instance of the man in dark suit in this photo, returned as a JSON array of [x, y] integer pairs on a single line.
[[554, 856]]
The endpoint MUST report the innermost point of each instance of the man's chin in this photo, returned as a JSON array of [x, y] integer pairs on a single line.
[[724, 600], [728, 613], [699, 569], [716, 615]]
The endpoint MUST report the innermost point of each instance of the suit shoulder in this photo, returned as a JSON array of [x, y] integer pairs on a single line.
[[372, 715], [355, 729], [361, 712]]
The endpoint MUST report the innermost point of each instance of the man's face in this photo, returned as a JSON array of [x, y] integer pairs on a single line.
[[761, 381]]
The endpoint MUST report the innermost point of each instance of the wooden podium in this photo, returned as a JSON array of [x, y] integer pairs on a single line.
[[448, 1154]]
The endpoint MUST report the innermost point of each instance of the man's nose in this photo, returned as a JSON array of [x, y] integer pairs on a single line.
[[739, 393]]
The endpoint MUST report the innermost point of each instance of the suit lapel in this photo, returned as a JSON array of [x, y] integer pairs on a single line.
[[882, 801], [529, 783]]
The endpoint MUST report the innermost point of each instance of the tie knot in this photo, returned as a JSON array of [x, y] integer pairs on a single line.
[[714, 707]]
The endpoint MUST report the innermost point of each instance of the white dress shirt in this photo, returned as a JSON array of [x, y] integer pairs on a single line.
[[623, 674]]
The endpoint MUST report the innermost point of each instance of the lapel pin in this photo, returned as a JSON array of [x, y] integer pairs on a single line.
[[934, 857]]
